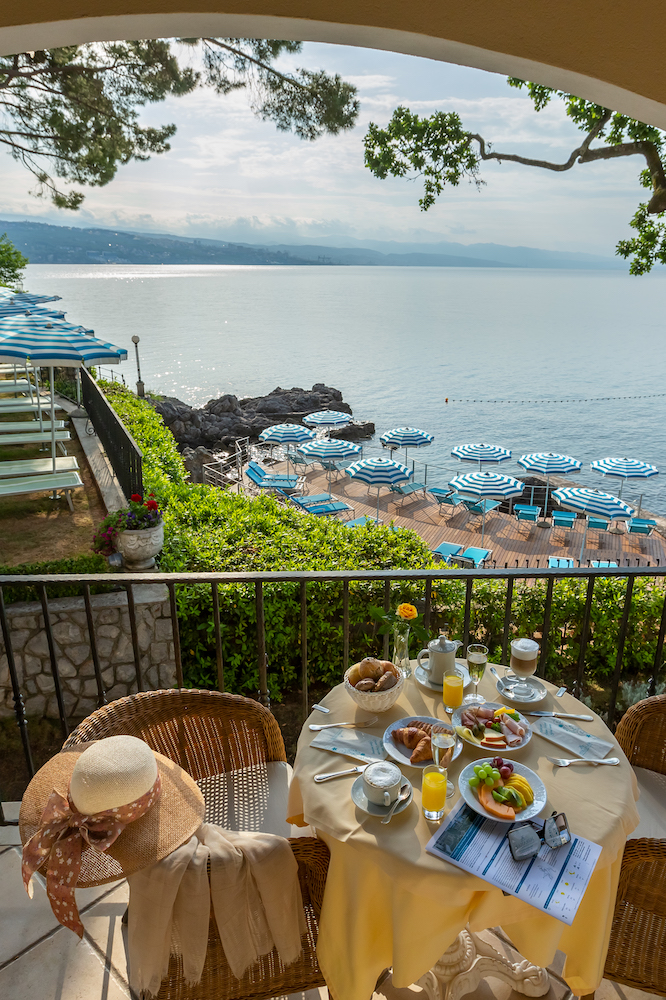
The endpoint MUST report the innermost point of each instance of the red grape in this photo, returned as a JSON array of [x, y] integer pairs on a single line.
[[505, 772]]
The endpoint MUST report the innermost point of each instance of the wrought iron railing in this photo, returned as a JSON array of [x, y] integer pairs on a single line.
[[423, 579], [121, 449]]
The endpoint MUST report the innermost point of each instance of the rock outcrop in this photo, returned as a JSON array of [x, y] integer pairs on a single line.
[[217, 425]]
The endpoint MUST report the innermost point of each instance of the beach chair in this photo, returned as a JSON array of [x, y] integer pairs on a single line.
[[602, 564], [38, 466], [555, 563], [289, 484], [528, 508], [446, 551], [317, 498], [562, 519], [259, 472], [446, 501], [480, 507], [327, 509], [299, 461], [63, 482], [640, 526], [408, 490], [529, 514], [474, 558], [360, 522]]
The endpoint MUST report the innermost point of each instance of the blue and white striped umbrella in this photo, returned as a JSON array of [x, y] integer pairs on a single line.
[[406, 437], [594, 503], [12, 309], [286, 434], [329, 449], [624, 468], [327, 418], [549, 464], [26, 298], [487, 486], [378, 472], [40, 324], [491, 453]]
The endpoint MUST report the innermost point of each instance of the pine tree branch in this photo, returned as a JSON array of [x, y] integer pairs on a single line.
[[256, 62]]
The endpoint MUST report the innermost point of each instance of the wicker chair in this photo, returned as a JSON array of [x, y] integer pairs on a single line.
[[637, 951], [209, 734]]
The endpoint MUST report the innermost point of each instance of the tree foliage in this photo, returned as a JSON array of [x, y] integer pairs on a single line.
[[71, 115], [441, 151], [12, 262]]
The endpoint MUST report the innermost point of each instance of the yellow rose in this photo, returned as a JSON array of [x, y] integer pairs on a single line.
[[407, 611]]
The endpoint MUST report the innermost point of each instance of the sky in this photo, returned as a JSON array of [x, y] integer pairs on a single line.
[[230, 176]]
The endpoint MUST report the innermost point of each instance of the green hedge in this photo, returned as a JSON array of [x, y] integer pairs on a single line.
[[208, 529], [79, 566]]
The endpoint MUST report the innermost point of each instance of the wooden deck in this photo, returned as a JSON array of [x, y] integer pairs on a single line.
[[513, 543]]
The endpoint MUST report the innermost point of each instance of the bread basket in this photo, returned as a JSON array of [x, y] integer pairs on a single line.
[[375, 701]]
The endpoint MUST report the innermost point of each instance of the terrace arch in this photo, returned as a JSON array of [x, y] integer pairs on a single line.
[[612, 52]]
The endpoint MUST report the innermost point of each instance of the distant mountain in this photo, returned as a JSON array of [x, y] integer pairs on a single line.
[[44, 243]]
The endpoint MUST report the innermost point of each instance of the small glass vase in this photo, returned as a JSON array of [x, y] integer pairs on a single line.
[[401, 649]]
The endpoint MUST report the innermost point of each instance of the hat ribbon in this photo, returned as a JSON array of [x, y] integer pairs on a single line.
[[60, 837]]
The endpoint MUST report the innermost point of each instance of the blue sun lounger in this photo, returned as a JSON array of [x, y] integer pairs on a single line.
[[408, 490], [598, 564], [473, 557], [360, 522], [640, 526], [286, 483], [318, 498], [446, 550], [338, 507], [555, 563]]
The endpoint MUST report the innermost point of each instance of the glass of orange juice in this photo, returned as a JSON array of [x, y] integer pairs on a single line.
[[433, 792], [452, 690]]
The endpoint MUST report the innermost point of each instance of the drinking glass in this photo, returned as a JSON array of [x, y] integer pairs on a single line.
[[524, 654], [442, 741], [433, 792], [452, 690], [477, 657]]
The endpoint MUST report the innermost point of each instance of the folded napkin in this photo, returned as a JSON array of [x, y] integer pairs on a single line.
[[573, 738], [351, 743]]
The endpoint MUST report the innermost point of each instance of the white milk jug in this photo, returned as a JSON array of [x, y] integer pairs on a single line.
[[441, 658]]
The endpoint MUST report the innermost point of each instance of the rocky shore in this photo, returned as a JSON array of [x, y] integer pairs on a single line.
[[215, 427]]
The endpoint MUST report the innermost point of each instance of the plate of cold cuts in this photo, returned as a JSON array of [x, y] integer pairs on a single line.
[[407, 741], [492, 726]]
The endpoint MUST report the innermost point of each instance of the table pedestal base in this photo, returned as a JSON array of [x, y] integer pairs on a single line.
[[470, 960]]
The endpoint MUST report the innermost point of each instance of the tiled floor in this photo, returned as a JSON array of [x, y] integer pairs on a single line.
[[40, 960]]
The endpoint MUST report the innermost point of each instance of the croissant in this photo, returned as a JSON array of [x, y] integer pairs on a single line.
[[409, 737], [422, 751]]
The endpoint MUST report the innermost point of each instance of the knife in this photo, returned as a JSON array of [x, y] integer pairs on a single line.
[[561, 715]]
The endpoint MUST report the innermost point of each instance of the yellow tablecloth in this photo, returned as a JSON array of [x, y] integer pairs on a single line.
[[388, 903]]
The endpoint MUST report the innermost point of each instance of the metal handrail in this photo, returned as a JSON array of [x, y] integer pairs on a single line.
[[121, 449]]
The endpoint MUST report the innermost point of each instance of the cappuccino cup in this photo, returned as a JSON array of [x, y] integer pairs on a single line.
[[381, 782], [524, 654]]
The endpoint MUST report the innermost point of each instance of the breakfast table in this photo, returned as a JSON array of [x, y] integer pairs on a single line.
[[389, 904]]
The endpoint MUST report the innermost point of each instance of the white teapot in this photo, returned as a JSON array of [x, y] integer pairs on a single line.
[[441, 658]]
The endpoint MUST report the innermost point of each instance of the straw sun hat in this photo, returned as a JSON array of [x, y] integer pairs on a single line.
[[114, 807]]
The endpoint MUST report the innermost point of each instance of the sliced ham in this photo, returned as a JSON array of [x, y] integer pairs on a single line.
[[514, 726], [512, 739], [484, 713]]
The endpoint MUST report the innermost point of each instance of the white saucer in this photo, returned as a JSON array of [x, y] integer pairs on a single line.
[[539, 692], [423, 677], [360, 799]]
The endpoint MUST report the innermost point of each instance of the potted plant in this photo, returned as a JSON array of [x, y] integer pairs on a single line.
[[135, 531]]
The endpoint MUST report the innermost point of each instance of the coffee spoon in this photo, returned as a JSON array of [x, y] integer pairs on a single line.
[[343, 725], [404, 794]]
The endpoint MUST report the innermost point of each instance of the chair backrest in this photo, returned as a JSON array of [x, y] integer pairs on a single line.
[[205, 732], [526, 515], [255, 476], [641, 733]]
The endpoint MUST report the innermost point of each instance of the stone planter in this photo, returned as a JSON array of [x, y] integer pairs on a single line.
[[139, 548]]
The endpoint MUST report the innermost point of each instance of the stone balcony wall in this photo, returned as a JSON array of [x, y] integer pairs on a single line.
[[75, 665]]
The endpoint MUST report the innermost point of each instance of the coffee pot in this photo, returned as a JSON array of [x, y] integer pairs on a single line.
[[440, 658]]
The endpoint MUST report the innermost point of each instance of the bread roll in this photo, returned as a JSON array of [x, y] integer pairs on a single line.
[[354, 675], [386, 681], [370, 667], [390, 668], [367, 684]]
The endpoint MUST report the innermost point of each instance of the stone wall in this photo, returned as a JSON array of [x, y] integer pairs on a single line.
[[70, 633]]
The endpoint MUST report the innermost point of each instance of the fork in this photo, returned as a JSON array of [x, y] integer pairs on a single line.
[[344, 725], [563, 762]]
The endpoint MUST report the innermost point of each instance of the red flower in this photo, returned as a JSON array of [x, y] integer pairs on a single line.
[[136, 497], [151, 494], [151, 504]]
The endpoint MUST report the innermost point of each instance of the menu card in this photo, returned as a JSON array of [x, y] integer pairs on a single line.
[[554, 881], [351, 743], [566, 734]]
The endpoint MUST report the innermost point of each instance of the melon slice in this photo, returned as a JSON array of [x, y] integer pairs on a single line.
[[497, 809]]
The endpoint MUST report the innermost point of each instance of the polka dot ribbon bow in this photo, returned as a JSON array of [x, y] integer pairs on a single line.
[[61, 837]]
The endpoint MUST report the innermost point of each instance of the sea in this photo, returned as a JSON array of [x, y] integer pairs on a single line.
[[567, 361]]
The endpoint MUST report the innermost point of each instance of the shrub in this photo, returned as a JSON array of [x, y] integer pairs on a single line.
[[78, 566]]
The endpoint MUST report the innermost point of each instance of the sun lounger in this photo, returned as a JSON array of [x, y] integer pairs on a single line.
[[408, 490], [338, 507], [602, 564], [518, 507], [257, 473], [317, 498], [563, 519], [554, 563], [29, 426], [360, 522], [531, 516], [63, 482], [479, 507], [268, 482], [38, 466], [446, 500], [473, 557], [640, 526], [446, 550]]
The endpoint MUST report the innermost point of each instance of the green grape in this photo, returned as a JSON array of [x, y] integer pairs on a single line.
[[475, 781], [478, 770], [490, 782], [495, 774]]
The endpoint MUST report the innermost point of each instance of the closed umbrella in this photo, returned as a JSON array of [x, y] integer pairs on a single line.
[[378, 472], [487, 486], [286, 434], [624, 468], [329, 449], [55, 345], [491, 453], [549, 464], [406, 437], [594, 503]]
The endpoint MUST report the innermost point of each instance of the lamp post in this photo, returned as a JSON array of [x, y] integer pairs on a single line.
[[140, 389]]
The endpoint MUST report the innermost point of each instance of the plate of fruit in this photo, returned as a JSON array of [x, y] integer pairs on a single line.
[[502, 790], [492, 726], [409, 741]]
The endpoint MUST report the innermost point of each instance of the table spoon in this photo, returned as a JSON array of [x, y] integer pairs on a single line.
[[338, 774], [563, 762], [404, 794], [344, 725]]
